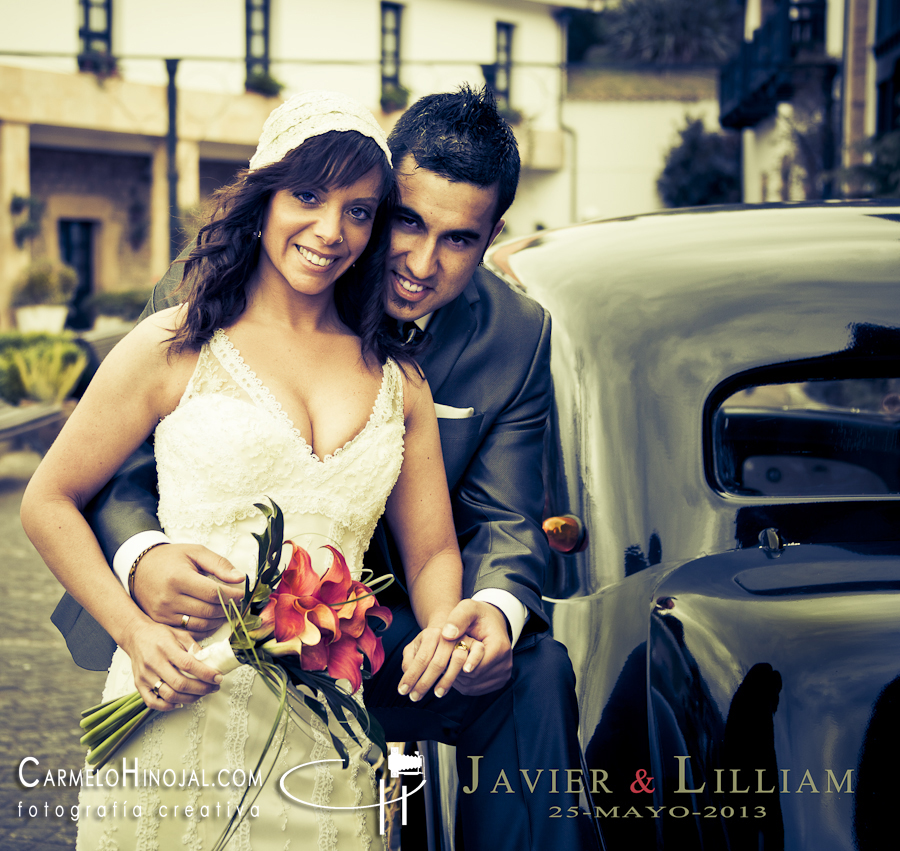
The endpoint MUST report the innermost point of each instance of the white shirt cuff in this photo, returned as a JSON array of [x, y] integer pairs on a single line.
[[132, 548], [511, 606]]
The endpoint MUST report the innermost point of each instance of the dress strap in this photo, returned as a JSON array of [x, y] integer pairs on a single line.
[[204, 369], [389, 404]]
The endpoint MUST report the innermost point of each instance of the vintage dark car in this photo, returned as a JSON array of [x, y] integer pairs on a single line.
[[726, 439]]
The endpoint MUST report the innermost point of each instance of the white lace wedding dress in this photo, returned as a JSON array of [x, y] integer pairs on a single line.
[[226, 446]]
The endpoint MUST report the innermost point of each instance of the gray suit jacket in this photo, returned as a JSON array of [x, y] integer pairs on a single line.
[[491, 352]]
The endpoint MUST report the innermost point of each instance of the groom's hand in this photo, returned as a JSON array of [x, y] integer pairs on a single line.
[[488, 624], [175, 580]]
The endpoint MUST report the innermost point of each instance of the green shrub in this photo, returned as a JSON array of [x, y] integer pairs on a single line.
[[12, 387], [703, 168], [49, 371], [44, 282], [127, 304], [659, 32]]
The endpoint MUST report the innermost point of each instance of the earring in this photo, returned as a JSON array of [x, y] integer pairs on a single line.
[[259, 234]]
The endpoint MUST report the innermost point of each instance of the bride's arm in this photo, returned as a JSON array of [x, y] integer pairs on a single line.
[[134, 387], [421, 522]]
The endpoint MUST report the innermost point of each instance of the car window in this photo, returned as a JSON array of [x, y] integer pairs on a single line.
[[811, 438]]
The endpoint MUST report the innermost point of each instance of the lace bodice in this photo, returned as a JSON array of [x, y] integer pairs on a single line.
[[228, 444]]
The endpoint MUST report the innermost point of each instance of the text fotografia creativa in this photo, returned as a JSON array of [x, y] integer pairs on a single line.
[[228, 810]]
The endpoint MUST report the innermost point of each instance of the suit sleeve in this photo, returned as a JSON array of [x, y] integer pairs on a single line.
[[499, 503]]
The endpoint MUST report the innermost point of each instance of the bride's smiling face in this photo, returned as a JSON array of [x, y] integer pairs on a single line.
[[310, 237]]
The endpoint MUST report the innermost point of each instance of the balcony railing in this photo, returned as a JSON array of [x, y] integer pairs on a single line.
[[752, 84]]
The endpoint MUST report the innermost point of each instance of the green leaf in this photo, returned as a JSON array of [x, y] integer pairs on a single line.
[[277, 533], [248, 594], [262, 544], [376, 733], [276, 681], [269, 545]]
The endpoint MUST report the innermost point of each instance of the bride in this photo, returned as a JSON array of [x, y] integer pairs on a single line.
[[277, 378]]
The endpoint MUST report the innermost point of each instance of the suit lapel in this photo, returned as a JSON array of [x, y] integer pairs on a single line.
[[451, 328]]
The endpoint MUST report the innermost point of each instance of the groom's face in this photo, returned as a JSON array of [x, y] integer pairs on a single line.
[[439, 235]]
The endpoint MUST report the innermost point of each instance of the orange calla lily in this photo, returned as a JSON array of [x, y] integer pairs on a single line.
[[323, 620]]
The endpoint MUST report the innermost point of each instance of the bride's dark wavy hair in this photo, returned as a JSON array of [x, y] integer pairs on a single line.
[[227, 251]]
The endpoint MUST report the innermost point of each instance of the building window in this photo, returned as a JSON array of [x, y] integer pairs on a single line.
[[95, 37], [393, 94], [390, 45], [503, 65], [258, 12]]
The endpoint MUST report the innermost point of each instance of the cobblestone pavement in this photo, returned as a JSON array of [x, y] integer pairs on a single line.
[[42, 691]]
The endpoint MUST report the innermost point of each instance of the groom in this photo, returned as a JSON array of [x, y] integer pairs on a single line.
[[514, 719]]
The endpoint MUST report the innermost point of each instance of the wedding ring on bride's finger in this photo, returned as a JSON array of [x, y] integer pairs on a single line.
[[463, 646], [155, 688], [184, 621]]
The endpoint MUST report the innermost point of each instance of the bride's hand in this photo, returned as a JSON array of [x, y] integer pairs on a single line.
[[159, 659], [431, 660], [176, 584]]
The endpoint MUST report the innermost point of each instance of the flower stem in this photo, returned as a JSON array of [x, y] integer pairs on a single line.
[[114, 721], [99, 756], [101, 710]]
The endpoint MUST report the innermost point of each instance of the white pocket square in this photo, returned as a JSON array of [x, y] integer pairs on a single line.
[[448, 412]]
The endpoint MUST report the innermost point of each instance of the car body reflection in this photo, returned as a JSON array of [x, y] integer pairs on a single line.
[[726, 430]]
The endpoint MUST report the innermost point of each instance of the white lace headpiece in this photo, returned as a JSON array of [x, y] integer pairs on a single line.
[[311, 114]]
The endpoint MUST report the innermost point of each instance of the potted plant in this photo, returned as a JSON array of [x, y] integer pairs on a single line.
[[28, 211], [263, 83], [101, 65], [394, 97], [41, 296]]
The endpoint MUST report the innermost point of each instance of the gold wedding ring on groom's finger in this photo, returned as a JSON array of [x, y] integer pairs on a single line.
[[184, 621], [463, 646], [155, 688]]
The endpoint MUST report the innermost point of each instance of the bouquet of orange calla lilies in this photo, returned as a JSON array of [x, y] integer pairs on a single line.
[[296, 629]]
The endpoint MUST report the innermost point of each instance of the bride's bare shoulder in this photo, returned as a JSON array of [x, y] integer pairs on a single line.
[[153, 333], [146, 346], [164, 322]]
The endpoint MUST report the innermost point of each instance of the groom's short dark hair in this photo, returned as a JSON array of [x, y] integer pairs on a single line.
[[462, 137]]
